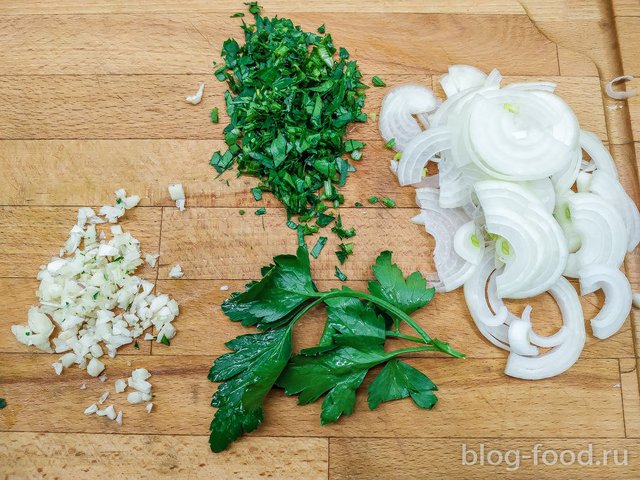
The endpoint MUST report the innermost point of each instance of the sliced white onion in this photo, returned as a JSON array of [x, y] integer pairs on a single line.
[[521, 135], [607, 187], [474, 294], [540, 249], [563, 356], [419, 151], [602, 233], [460, 78], [599, 154], [540, 86], [519, 334], [617, 297], [442, 224], [398, 108], [618, 95], [468, 243]]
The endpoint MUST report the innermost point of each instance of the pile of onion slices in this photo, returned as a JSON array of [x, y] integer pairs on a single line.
[[515, 208]]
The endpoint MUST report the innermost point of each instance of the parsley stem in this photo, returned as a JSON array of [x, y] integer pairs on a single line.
[[396, 334], [402, 351], [394, 311]]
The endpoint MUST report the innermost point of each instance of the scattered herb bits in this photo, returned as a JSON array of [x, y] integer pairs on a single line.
[[373, 199], [390, 143], [340, 276], [317, 248], [214, 115], [388, 202], [290, 101], [261, 211], [378, 82], [346, 249], [3, 403]]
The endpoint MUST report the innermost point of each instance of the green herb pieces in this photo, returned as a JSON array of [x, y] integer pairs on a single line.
[[165, 341], [290, 100], [323, 220], [3, 403], [317, 248], [260, 211], [398, 380], [136, 345], [214, 115], [321, 29], [356, 155], [241, 212], [389, 203], [351, 145], [378, 82], [408, 295], [373, 199], [340, 275], [346, 249], [257, 193], [390, 143], [358, 204], [237, 14], [254, 7], [248, 375], [285, 285], [341, 232]]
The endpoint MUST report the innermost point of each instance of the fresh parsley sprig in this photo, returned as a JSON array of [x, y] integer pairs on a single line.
[[357, 327]]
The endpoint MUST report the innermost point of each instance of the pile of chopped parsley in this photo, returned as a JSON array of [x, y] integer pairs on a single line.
[[292, 94]]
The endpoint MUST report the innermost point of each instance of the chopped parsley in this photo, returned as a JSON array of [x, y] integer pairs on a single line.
[[317, 248], [390, 143], [3, 403], [378, 82], [257, 194], [136, 345], [241, 212], [165, 341], [290, 100], [358, 204], [373, 199], [389, 203], [214, 115], [237, 14], [341, 232], [346, 249], [261, 211], [339, 275]]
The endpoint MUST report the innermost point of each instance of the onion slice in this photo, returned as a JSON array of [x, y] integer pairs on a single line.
[[599, 154], [618, 95], [560, 357], [460, 78], [602, 232], [398, 108], [617, 301], [419, 151]]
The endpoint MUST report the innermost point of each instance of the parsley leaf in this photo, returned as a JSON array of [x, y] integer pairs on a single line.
[[339, 372], [352, 322], [285, 285], [214, 115], [339, 275], [248, 374], [323, 219], [398, 380], [165, 341], [408, 295]]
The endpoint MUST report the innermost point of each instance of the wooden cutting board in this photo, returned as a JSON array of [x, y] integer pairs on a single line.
[[92, 99]]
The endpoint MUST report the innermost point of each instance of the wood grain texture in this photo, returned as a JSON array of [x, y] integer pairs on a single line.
[[225, 7], [187, 43], [46, 455], [476, 399], [626, 8], [443, 458]]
